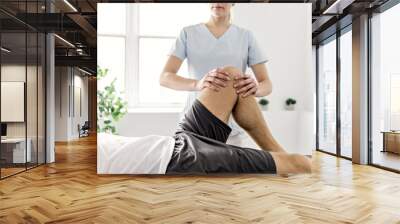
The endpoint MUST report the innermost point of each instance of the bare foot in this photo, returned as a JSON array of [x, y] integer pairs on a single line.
[[303, 163]]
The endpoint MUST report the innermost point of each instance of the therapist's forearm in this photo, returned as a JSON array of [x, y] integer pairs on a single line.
[[264, 88], [176, 82]]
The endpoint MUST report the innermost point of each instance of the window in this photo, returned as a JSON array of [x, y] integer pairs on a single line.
[[115, 46], [133, 44], [154, 30], [111, 41], [385, 88], [334, 138], [327, 96], [22, 88], [394, 102], [346, 94], [112, 19]]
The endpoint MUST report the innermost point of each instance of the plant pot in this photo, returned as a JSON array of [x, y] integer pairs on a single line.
[[290, 107]]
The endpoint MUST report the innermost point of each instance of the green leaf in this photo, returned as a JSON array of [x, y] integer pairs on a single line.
[[111, 106]]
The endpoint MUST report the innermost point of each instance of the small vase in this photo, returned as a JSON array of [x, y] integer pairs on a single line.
[[290, 107]]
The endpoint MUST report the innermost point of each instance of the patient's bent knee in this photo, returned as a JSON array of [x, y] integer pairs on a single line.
[[228, 89], [232, 71]]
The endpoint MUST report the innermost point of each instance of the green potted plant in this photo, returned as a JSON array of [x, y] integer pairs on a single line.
[[111, 107], [263, 103], [290, 104]]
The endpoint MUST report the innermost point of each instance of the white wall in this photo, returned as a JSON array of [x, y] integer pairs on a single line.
[[33, 126], [66, 121], [61, 103], [17, 73], [284, 33], [81, 83]]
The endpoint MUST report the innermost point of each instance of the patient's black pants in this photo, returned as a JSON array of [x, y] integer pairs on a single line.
[[200, 147]]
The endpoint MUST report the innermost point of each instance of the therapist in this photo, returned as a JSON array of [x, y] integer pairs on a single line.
[[210, 46]]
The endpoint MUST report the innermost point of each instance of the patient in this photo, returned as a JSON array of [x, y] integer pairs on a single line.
[[199, 144]]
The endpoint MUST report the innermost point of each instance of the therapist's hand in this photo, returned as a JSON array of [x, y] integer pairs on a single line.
[[245, 85], [214, 79]]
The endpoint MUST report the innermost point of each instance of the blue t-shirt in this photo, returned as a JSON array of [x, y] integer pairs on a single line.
[[204, 52]]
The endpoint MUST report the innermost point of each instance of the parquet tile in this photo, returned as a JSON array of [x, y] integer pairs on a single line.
[[70, 191]]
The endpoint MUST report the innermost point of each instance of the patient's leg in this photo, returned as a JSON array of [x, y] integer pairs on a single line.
[[245, 111], [291, 163], [222, 102], [248, 115]]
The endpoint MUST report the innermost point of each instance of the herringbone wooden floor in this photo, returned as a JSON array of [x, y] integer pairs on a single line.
[[70, 191]]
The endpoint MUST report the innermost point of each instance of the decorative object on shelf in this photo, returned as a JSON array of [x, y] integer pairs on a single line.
[[263, 103], [290, 104], [111, 107]]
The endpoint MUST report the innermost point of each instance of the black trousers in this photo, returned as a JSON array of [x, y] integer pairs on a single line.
[[200, 147]]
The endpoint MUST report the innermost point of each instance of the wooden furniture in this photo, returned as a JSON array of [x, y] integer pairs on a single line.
[[391, 141]]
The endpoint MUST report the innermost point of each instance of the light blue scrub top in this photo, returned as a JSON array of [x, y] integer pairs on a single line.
[[204, 52]]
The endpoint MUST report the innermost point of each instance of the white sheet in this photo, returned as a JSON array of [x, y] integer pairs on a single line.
[[133, 155]]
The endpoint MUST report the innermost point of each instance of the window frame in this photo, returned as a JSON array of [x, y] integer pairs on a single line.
[[370, 34], [344, 31], [334, 37], [133, 38], [121, 36], [392, 113], [369, 66]]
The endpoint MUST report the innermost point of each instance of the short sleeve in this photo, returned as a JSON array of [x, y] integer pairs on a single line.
[[178, 49], [255, 54]]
